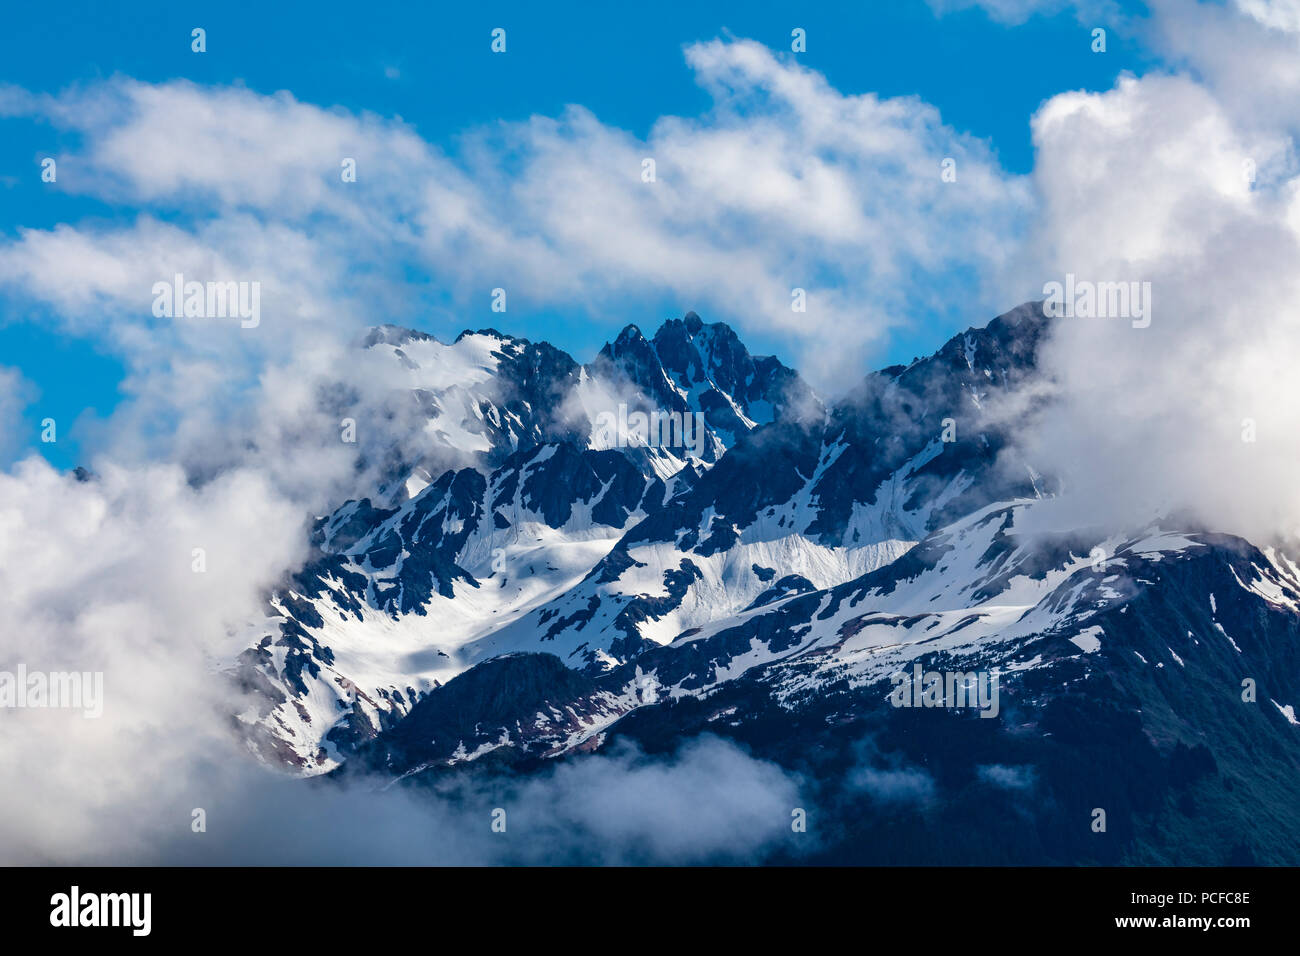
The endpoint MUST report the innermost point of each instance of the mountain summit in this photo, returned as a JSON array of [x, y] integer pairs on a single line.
[[563, 588]]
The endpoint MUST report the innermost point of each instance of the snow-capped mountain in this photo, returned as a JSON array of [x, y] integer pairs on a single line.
[[548, 492], [568, 587], [690, 367], [487, 395]]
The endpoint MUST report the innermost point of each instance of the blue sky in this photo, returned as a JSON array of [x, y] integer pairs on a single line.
[[431, 66]]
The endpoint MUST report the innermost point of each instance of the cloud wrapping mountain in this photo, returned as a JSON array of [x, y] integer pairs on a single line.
[[783, 575]]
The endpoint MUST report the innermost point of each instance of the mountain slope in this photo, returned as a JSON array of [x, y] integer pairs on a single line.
[[567, 589]]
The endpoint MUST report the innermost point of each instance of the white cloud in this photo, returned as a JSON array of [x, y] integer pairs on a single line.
[[784, 182], [1148, 182], [1277, 14], [98, 576], [1251, 67]]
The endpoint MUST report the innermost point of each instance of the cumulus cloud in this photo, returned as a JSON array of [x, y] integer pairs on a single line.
[[1247, 52], [1151, 182], [1244, 50], [783, 183], [100, 577], [1185, 178]]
